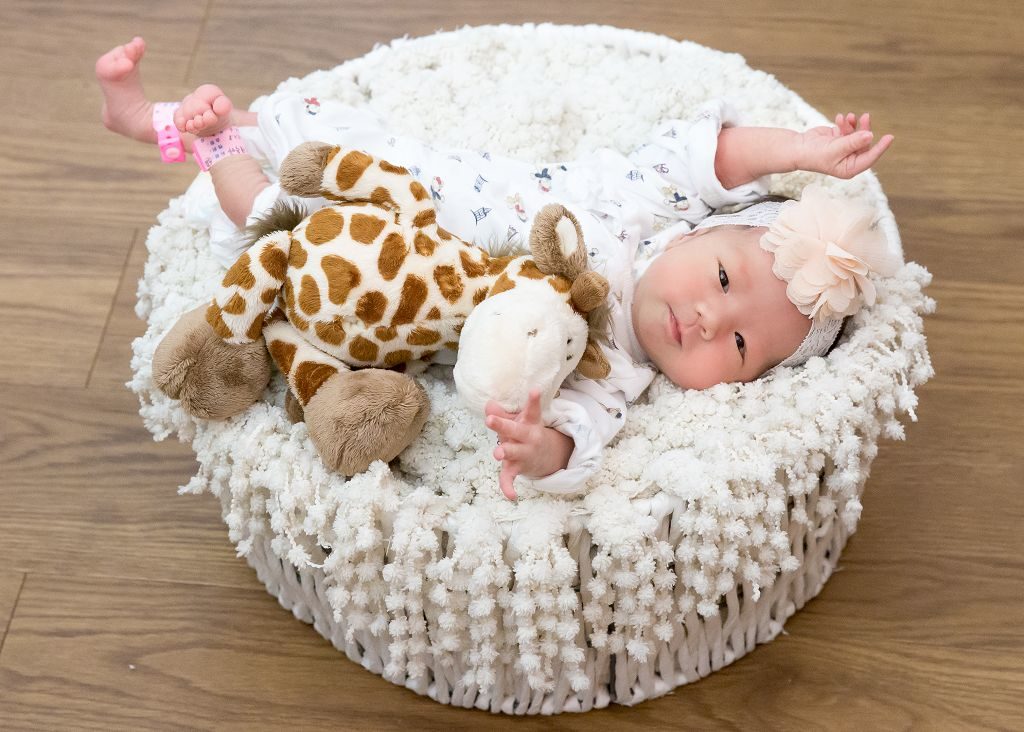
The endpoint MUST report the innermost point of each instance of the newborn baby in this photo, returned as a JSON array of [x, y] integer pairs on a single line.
[[703, 297]]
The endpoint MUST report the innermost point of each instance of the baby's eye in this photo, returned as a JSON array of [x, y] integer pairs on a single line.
[[741, 345], [723, 278]]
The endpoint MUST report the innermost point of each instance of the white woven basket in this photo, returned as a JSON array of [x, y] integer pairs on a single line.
[[716, 514], [701, 645]]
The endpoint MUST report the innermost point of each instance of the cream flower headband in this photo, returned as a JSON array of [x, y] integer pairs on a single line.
[[824, 249]]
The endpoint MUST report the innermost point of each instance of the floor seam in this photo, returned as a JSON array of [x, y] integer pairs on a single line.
[[110, 310]]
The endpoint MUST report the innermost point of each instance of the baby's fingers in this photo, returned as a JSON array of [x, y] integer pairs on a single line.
[[869, 158], [506, 480], [507, 429]]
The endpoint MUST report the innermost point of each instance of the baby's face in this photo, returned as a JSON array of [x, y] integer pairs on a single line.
[[709, 310]]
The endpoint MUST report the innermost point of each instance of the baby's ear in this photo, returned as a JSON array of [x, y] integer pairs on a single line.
[[593, 365]]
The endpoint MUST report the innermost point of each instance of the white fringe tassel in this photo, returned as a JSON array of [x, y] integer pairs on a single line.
[[697, 648]]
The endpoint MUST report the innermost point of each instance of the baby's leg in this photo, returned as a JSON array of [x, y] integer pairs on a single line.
[[126, 110], [206, 111], [237, 179]]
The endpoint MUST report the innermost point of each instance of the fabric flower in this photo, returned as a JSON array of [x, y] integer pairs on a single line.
[[825, 248]]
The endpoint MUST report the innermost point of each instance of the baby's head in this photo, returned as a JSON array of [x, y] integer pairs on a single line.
[[744, 293]]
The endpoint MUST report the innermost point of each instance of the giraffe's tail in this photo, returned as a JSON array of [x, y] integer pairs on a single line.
[[284, 216]]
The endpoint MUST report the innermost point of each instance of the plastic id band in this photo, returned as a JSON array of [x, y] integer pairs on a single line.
[[167, 136], [214, 148]]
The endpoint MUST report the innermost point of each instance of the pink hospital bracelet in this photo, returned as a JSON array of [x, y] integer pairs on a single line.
[[167, 136], [214, 148]]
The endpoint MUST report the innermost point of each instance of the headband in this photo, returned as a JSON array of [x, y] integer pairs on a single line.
[[824, 249]]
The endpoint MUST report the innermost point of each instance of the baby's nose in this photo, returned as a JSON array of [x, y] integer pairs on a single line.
[[708, 320]]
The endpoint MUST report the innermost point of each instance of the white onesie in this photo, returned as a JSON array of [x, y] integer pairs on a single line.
[[628, 206]]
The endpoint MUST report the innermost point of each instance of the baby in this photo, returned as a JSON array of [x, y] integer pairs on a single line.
[[704, 298]]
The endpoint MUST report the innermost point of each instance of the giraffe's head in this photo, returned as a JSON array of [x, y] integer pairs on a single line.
[[538, 328]]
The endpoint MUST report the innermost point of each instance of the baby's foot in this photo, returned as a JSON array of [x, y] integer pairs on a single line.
[[126, 110], [206, 111]]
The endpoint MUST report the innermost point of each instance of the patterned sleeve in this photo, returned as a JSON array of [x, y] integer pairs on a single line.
[[683, 152]]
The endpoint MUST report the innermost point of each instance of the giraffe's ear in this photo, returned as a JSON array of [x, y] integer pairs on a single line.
[[556, 242], [593, 365]]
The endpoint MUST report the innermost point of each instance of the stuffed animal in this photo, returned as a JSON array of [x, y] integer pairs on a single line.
[[347, 298]]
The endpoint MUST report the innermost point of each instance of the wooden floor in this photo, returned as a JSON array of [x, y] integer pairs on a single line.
[[122, 605]]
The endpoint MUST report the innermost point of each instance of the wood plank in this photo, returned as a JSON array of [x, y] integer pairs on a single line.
[[103, 654], [10, 588], [57, 295], [83, 481], [112, 365]]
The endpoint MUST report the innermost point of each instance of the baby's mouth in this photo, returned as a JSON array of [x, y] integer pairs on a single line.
[[673, 326]]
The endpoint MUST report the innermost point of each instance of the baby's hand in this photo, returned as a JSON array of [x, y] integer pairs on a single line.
[[842, 151], [525, 445]]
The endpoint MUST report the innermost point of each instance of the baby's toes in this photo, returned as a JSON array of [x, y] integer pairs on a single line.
[[209, 118], [222, 106]]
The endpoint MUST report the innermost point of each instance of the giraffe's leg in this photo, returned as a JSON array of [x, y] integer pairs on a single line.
[[212, 378], [353, 417]]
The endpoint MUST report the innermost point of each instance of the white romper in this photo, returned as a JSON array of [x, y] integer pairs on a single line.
[[628, 206]]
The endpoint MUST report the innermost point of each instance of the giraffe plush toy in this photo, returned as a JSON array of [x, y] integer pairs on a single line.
[[349, 298]]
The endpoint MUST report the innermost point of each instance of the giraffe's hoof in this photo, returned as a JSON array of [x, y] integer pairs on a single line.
[[361, 416], [211, 378]]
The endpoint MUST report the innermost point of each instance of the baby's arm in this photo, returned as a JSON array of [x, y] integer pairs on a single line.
[[747, 153], [526, 446]]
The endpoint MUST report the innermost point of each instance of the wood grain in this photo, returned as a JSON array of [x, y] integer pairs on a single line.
[[10, 588], [123, 604]]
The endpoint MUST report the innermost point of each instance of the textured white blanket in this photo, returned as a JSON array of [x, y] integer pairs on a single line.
[[696, 495]]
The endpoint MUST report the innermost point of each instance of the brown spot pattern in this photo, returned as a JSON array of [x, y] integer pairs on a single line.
[[235, 306], [392, 254], [424, 217], [423, 337], [282, 353], [414, 294], [471, 267], [216, 321], [364, 229], [449, 282], [296, 254], [530, 271], [443, 234], [434, 314], [453, 345], [255, 328], [417, 190], [275, 261], [559, 283], [270, 294], [502, 284], [363, 349], [498, 264], [309, 375], [239, 274], [342, 276], [425, 246], [370, 308], [332, 332], [382, 197], [479, 296], [389, 168], [385, 333], [396, 357], [309, 295], [324, 226], [351, 169]]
